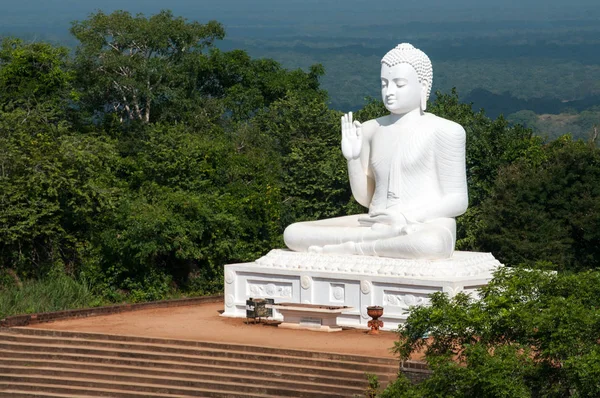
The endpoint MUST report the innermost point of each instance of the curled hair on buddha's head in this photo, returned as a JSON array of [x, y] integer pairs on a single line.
[[406, 53]]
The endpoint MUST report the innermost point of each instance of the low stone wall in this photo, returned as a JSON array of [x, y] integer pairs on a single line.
[[31, 319], [415, 371]]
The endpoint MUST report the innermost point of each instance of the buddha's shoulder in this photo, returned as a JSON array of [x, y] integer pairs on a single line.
[[370, 126], [443, 126], [374, 123]]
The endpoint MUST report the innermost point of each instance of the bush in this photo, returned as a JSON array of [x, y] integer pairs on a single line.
[[532, 334]]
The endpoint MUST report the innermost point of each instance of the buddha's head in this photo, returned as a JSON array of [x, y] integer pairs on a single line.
[[406, 79]]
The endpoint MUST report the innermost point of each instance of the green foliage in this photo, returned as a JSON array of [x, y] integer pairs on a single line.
[[130, 65], [373, 387], [54, 186], [526, 337], [585, 373], [204, 188], [247, 85], [32, 73], [9, 278], [401, 388], [547, 209], [165, 232], [195, 202], [314, 181], [55, 292]]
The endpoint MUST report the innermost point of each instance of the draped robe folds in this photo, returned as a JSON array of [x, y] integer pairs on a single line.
[[403, 167]]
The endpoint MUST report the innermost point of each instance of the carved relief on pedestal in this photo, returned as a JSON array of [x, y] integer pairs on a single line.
[[452, 291], [404, 300], [272, 289], [305, 282], [229, 300], [229, 277], [337, 292], [365, 286]]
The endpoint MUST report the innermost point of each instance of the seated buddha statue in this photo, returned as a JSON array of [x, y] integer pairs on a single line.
[[408, 168]]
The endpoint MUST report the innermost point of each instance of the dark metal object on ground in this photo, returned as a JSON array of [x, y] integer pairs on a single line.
[[256, 308]]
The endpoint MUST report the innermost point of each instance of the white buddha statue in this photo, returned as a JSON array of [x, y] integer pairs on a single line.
[[407, 167]]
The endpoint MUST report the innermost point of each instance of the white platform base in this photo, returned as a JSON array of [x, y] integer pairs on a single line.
[[353, 281]]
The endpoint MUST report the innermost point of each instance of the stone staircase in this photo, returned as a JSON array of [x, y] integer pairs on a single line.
[[46, 363]]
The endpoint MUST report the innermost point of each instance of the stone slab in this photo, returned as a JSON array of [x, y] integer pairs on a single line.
[[353, 281], [310, 316]]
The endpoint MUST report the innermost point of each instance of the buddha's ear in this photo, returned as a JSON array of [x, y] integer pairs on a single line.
[[424, 85]]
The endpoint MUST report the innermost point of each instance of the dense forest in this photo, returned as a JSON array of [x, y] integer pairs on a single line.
[[135, 167]]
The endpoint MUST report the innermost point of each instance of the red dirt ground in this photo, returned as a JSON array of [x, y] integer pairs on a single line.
[[204, 323]]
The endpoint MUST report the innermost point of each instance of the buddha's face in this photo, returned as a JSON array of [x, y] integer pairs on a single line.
[[400, 88]]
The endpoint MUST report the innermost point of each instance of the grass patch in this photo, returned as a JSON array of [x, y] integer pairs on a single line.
[[58, 293], [62, 292]]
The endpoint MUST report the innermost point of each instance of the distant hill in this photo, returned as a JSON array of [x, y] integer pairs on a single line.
[[506, 103]]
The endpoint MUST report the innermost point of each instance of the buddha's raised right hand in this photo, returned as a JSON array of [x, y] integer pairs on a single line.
[[351, 137]]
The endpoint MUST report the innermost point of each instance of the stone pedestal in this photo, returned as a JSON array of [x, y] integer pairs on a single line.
[[353, 281]]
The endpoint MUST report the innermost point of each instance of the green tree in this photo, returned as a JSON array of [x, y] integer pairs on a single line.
[[32, 74], [205, 166], [129, 65], [247, 85], [194, 203], [313, 181], [546, 210], [54, 187], [531, 334], [54, 184]]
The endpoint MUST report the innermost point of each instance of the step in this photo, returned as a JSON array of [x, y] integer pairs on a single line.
[[223, 358], [163, 370], [197, 389], [304, 373], [25, 389], [35, 362], [170, 353], [56, 335], [174, 380]]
